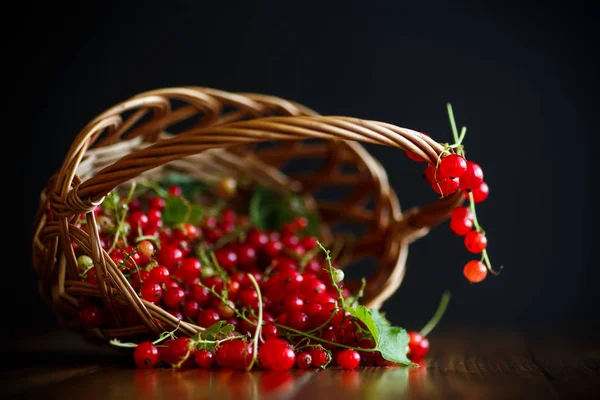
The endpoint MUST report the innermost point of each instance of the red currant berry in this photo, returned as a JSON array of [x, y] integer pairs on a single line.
[[214, 282], [289, 240], [160, 274], [460, 213], [189, 270], [208, 317], [304, 360], [257, 239], [297, 320], [154, 219], [461, 226], [204, 358], [319, 357], [175, 190], [269, 330], [170, 256], [453, 166], [235, 354], [226, 258], [293, 302], [246, 255], [480, 193], [418, 346], [91, 316], [475, 271], [473, 176], [225, 310], [172, 284], [248, 298], [173, 297], [301, 223], [277, 355], [414, 157], [191, 308], [308, 242], [138, 279], [348, 359], [228, 215], [445, 186], [138, 220], [200, 294], [176, 313], [151, 291], [146, 355], [180, 349], [157, 203], [273, 248], [146, 249], [475, 242]]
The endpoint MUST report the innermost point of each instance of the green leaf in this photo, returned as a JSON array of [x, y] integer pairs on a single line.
[[391, 341], [271, 210], [178, 210], [212, 333]]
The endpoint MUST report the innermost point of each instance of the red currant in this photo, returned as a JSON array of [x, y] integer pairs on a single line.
[[257, 239], [460, 213], [146, 355], [277, 355], [138, 220], [480, 193], [160, 274], [170, 256], [173, 297], [190, 308], [180, 349], [189, 270], [270, 330], [414, 157], [226, 258], [348, 359], [273, 248], [151, 291], [200, 294], [475, 271], [248, 298], [418, 346], [453, 166], [304, 360], [175, 190], [146, 249], [208, 317], [137, 279], [475, 242], [91, 316], [204, 358], [157, 203], [473, 176], [235, 354], [293, 302], [246, 255], [319, 357], [461, 226]]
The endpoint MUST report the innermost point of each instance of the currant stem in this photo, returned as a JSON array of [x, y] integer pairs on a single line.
[[258, 322], [318, 339], [473, 213], [328, 258], [452, 122], [437, 316]]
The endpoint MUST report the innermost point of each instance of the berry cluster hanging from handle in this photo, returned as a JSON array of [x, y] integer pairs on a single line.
[[451, 173]]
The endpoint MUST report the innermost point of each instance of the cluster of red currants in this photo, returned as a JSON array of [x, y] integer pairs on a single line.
[[453, 173], [225, 269]]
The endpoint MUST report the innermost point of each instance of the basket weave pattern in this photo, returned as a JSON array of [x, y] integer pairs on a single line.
[[130, 141]]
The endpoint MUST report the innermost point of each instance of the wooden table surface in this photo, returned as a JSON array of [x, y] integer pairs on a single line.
[[461, 365]]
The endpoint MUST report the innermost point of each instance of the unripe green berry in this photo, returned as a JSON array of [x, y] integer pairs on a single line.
[[338, 275]]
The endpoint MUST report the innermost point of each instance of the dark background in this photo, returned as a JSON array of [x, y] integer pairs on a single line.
[[524, 80]]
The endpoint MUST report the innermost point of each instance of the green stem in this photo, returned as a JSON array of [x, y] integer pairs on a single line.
[[437, 316], [452, 122], [339, 291], [473, 213], [258, 322], [318, 339]]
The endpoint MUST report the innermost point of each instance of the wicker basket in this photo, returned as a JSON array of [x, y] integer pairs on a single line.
[[130, 140]]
